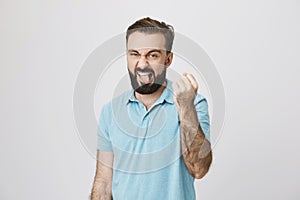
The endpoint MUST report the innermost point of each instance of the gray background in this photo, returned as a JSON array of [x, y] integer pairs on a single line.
[[254, 45]]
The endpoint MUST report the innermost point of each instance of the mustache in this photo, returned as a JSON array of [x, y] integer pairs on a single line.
[[145, 70]]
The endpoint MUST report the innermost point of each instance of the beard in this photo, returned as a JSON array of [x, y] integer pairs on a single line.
[[147, 88]]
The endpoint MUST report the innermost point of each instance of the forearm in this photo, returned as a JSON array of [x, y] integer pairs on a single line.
[[101, 190], [196, 148]]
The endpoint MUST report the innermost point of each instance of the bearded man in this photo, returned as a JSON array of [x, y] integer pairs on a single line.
[[153, 141]]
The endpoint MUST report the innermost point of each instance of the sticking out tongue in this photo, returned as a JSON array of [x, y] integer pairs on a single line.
[[145, 77]]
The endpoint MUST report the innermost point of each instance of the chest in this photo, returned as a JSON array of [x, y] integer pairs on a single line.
[[137, 130]]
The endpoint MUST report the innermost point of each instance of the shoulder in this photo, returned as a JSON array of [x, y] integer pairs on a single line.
[[119, 100], [199, 98], [123, 97]]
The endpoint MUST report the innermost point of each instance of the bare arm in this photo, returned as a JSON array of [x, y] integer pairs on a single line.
[[103, 177], [195, 147]]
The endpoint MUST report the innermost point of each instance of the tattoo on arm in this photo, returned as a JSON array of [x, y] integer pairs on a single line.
[[195, 147]]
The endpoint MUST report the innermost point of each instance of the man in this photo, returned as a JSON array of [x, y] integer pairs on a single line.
[[153, 140]]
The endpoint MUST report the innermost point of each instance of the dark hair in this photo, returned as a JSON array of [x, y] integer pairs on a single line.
[[148, 25]]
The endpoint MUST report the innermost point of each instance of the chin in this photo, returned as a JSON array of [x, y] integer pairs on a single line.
[[148, 89]]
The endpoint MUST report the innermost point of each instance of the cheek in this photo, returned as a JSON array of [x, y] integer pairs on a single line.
[[130, 65], [158, 67]]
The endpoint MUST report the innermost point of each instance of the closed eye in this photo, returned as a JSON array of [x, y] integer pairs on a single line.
[[153, 55], [133, 54]]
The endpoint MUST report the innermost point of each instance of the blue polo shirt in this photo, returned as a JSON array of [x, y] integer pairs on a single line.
[[148, 162]]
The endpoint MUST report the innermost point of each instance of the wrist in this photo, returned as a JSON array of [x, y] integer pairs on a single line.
[[186, 108]]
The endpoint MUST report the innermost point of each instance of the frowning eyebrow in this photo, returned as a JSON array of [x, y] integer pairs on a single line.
[[151, 51]]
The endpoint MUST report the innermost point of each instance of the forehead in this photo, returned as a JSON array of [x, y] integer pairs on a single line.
[[139, 40]]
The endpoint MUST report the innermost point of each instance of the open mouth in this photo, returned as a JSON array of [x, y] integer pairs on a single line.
[[145, 77]]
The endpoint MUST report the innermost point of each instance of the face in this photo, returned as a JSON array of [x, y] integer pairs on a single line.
[[147, 61]]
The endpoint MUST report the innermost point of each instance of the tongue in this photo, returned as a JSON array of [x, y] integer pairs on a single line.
[[145, 79]]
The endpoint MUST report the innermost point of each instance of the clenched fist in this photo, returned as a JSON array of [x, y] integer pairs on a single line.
[[185, 90]]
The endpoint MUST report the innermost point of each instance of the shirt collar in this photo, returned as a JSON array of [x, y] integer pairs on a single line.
[[167, 95]]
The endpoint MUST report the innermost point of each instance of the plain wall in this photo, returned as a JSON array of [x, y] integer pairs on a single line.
[[254, 45]]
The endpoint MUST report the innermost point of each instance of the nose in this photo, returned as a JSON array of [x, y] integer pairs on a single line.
[[142, 62]]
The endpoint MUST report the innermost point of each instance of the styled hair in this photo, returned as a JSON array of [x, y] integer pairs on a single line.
[[150, 26]]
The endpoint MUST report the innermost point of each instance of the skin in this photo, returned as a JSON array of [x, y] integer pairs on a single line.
[[196, 149], [143, 44], [103, 178]]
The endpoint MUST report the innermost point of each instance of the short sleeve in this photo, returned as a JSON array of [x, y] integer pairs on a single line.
[[203, 115], [104, 142]]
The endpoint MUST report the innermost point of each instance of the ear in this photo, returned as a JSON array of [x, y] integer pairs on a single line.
[[169, 59]]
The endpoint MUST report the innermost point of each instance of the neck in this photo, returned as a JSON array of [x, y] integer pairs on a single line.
[[149, 99]]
